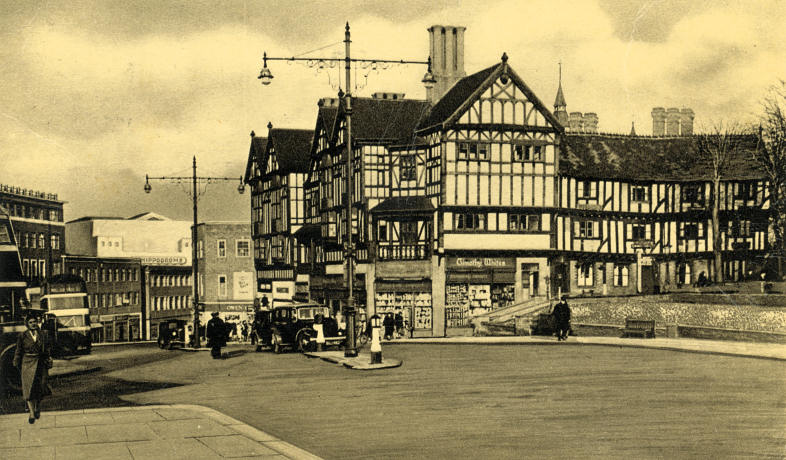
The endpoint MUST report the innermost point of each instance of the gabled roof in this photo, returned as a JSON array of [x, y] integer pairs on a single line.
[[86, 218], [326, 118], [409, 204], [255, 152], [383, 120], [457, 99], [456, 96], [292, 147], [149, 216], [603, 156]]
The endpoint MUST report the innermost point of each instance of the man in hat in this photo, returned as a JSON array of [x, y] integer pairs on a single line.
[[561, 314], [216, 335]]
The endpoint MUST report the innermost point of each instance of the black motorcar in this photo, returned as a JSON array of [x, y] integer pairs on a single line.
[[292, 326], [172, 333]]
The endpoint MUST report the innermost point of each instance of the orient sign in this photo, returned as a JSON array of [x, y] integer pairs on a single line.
[[481, 263]]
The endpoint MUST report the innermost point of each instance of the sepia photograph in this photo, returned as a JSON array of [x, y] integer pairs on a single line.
[[389, 229]]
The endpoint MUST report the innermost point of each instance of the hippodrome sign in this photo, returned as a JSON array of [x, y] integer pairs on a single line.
[[164, 260]]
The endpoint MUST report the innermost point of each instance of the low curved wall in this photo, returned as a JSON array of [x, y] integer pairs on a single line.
[[613, 311]]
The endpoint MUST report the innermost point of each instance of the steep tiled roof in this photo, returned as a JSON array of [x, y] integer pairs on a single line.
[[456, 96], [293, 147], [386, 119], [255, 153], [599, 156]]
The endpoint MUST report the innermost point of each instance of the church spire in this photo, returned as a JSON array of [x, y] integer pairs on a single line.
[[632, 128], [560, 107]]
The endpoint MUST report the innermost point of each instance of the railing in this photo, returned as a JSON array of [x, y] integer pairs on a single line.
[[403, 252]]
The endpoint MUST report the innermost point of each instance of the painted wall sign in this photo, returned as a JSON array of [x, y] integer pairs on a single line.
[[165, 260], [481, 263]]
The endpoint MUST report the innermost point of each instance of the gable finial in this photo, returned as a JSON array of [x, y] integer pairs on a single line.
[[504, 57], [253, 133], [269, 125]]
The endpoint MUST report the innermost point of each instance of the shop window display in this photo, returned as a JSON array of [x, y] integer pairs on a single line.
[[415, 307]]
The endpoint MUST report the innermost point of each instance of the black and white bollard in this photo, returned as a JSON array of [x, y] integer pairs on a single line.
[[376, 344]]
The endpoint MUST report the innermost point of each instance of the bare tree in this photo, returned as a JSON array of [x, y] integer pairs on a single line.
[[719, 146], [771, 155]]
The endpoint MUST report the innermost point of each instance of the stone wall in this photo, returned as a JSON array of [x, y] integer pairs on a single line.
[[613, 311]]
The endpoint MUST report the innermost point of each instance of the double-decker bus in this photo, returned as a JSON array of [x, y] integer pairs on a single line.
[[64, 298], [13, 300]]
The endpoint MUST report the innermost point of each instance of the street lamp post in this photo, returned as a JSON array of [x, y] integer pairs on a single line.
[[194, 197], [266, 77]]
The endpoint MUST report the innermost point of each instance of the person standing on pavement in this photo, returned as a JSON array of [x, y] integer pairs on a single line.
[[399, 321], [389, 323], [561, 315], [216, 335], [33, 358]]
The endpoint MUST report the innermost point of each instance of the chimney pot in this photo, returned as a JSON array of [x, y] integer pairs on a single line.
[[673, 121], [686, 122]]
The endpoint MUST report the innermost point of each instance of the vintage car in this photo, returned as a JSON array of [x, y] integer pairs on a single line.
[[292, 326], [172, 333]]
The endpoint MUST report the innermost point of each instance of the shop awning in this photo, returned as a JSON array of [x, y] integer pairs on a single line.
[[308, 232], [404, 204]]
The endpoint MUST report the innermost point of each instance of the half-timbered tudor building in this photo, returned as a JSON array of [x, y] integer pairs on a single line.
[[481, 197], [276, 171]]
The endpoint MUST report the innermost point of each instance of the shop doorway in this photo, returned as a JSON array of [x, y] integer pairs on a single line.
[[530, 279], [648, 281]]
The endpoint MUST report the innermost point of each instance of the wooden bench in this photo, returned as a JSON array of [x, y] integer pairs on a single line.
[[639, 327]]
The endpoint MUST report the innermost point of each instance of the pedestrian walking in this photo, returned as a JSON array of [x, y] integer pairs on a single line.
[[561, 315], [33, 358], [399, 322], [216, 335], [389, 323], [244, 331]]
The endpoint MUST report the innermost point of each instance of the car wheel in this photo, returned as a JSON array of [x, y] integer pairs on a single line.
[[161, 343], [303, 342], [276, 343], [12, 378]]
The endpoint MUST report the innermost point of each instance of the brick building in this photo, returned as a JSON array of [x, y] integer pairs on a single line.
[[37, 218]]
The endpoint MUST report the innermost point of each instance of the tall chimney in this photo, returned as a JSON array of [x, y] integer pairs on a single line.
[[686, 122], [446, 48], [672, 121], [658, 121], [576, 122], [590, 122]]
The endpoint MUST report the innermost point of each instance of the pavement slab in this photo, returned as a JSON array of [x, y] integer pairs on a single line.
[[143, 432], [361, 362]]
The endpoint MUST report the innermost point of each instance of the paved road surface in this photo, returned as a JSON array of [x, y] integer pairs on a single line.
[[494, 401]]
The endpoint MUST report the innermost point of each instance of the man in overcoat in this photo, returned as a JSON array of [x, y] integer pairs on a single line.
[[561, 314], [216, 335]]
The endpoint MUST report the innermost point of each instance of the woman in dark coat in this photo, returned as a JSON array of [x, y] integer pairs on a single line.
[[33, 357]]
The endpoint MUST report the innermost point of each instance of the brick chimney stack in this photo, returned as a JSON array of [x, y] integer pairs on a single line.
[[658, 121], [686, 122], [590, 122], [446, 48], [673, 121], [576, 122]]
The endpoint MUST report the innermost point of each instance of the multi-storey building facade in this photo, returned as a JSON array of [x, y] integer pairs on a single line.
[[37, 218], [162, 248], [114, 293], [226, 272], [276, 172], [480, 197]]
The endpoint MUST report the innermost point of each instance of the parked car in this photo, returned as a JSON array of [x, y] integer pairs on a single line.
[[172, 333], [292, 326]]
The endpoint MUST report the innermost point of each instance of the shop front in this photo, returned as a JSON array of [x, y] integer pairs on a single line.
[[233, 315], [477, 285], [409, 298], [119, 328]]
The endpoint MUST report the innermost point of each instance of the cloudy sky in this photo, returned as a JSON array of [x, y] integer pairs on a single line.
[[95, 94]]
